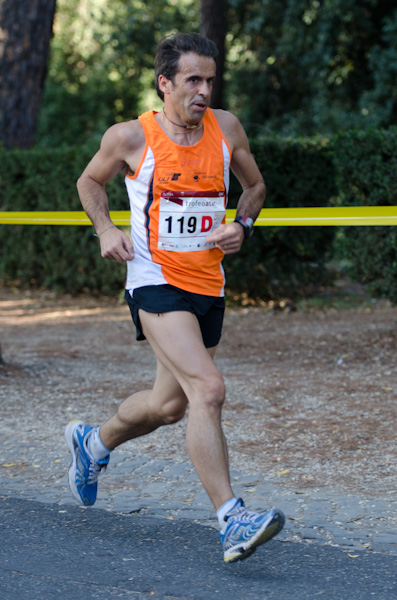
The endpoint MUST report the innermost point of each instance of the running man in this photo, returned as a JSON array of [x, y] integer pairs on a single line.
[[177, 165]]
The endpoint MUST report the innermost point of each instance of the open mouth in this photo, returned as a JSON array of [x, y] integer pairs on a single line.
[[200, 105]]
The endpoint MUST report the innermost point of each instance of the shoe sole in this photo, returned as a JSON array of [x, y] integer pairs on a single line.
[[69, 431], [268, 531]]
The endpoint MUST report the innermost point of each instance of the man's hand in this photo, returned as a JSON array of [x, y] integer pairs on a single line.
[[116, 245], [227, 237]]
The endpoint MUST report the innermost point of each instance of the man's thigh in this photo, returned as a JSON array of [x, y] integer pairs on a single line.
[[176, 340]]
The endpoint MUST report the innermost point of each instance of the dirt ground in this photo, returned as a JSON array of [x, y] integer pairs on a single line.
[[311, 393]]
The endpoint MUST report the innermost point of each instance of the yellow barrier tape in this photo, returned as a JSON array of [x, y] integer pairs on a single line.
[[119, 217], [268, 217], [330, 216]]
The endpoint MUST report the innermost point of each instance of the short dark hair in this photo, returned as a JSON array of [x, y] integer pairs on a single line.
[[172, 47]]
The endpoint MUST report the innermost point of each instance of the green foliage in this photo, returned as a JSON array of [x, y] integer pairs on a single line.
[[293, 67], [101, 65], [380, 102], [286, 261], [279, 261], [312, 66], [57, 257], [353, 168], [366, 167]]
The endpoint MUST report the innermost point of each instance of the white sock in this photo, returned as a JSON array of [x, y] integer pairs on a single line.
[[96, 447], [223, 510]]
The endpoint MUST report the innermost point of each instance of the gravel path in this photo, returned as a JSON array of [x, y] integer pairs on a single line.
[[310, 416]]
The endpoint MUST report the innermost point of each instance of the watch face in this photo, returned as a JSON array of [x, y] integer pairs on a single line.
[[249, 222], [248, 225]]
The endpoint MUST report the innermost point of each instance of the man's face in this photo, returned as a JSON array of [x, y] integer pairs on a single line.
[[189, 94]]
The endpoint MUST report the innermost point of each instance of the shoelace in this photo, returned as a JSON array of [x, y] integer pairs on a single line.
[[95, 467], [94, 470], [240, 513]]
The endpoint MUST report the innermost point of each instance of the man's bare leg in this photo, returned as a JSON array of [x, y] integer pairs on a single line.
[[145, 411], [185, 373], [177, 342]]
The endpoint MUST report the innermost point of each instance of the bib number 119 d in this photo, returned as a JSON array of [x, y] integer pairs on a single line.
[[186, 219], [189, 225]]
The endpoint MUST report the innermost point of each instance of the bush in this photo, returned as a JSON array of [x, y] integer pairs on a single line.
[[366, 167], [286, 261], [354, 168], [56, 257], [279, 261]]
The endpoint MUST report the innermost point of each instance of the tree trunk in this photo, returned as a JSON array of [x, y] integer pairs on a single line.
[[25, 34], [214, 26]]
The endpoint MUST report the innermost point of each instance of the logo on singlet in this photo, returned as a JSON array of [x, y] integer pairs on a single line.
[[170, 177]]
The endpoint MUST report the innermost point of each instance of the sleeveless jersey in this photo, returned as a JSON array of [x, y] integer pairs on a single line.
[[178, 195]]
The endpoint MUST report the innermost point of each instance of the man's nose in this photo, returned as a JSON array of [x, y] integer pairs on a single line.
[[205, 89]]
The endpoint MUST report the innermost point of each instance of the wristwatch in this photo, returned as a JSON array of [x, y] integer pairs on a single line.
[[247, 224]]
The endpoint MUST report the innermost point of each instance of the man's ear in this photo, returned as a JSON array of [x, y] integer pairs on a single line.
[[164, 84]]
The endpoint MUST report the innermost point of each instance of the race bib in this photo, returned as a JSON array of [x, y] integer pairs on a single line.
[[187, 218]]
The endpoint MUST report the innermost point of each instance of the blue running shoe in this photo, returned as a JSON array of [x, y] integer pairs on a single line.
[[84, 470], [246, 530]]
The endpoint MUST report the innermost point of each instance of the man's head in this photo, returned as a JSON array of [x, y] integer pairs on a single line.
[[171, 48]]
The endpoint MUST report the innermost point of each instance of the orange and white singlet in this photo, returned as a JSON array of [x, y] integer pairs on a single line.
[[178, 195]]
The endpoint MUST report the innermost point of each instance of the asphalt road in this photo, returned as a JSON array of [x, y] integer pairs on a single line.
[[63, 552]]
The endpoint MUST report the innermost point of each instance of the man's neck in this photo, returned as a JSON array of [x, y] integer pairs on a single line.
[[184, 136]]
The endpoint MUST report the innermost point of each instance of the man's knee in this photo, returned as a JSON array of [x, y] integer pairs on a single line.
[[212, 392]]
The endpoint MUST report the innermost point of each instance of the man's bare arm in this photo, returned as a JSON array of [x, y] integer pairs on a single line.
[[229, 237], [117, 147]]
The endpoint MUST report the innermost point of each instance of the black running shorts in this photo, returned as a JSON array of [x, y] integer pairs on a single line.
[[209, 310]]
